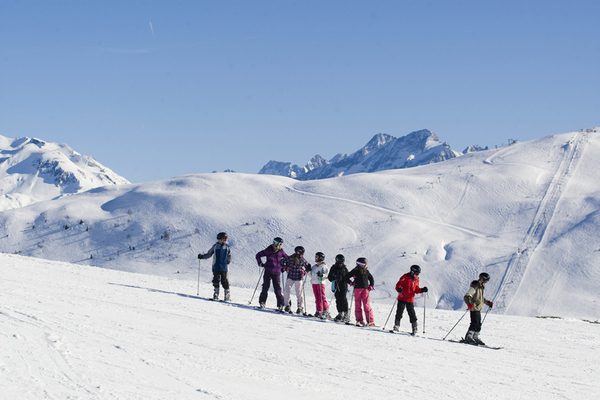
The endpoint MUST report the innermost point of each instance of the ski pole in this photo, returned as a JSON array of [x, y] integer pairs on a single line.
[[485, 316], [455, 324], [351, 300], [424, 308], [198, 291], [389, 315], [260, 276]]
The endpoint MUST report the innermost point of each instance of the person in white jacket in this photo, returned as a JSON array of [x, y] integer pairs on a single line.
[[318, 275]]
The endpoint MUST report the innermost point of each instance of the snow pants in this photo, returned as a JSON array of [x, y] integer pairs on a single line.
[[475, 321], [361, 297], [410, 309], [220, 277], [299, 286], [320, 298], [341, 298], [274, 276]]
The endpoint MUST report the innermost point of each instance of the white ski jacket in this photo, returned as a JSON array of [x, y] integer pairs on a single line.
[[315, 279]]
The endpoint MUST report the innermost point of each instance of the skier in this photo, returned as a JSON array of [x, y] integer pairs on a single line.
[[406, 287], [336, 275], [221, 254], [363, 283], [475, 299], [318, 275], [274, 255], [296, 267]]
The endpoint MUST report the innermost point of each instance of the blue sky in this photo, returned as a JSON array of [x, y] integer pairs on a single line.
[[157, 89]]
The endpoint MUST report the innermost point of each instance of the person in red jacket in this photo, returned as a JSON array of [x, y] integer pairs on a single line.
[[407, 287]]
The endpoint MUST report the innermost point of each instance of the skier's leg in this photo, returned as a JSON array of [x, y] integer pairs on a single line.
[[277, 289], [262, 299], [399, 312]]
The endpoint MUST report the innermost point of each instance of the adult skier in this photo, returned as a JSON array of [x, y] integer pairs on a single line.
[[296, 267], [362, 280], [318, 274], [475, 299], [336, 275], [407, 287], [273, 255], [221, 254]]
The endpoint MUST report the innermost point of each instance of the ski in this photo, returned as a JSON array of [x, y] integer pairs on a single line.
[[485, 346]]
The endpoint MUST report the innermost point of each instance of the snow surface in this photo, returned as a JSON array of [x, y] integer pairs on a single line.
[[76, 332], [528, 214]]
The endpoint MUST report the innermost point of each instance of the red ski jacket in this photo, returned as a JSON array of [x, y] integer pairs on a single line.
[[410, 286]]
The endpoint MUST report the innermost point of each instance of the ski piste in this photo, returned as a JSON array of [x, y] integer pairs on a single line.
[[485, 346]]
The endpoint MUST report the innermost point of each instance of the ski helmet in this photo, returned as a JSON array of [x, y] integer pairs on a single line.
[[415, 269], [484, 277], [320, 256], [277, 241], [340, 258], [361, 261], [221, 236], [299, 250]]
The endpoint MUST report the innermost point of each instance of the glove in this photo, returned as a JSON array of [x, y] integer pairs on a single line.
[[470, 307], [282, 269], [351, 283], [400, 289], [304, 272], [200, 256], [261, 265], [424, 289], [371, 288], [491, 304], [320, 274]]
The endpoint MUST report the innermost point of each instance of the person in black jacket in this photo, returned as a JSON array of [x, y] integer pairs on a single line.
[[363, 283], [336, 275]]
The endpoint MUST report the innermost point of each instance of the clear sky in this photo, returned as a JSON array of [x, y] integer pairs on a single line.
[[157, 89]]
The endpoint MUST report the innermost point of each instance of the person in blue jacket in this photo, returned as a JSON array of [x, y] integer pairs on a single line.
[[221, 254]]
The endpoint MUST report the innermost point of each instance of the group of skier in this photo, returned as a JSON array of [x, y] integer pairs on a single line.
[[275, 261]]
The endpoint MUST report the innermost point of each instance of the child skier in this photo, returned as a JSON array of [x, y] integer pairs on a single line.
[[336, 275], [363, 283], [318, 273], [296, 267], [406, 287], [475, 299], [274, 255], [221, 254]]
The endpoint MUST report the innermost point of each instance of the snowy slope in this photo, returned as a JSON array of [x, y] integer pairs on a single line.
[[32, 170], [76, 332], [526, 213]]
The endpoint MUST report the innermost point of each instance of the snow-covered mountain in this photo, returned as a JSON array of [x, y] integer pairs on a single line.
[[383, 152], [528, 214], [33, 170]]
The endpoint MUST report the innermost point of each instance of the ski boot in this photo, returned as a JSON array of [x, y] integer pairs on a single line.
[[477, 340], [396, 328], [470, 338], [360, 323], [345, 317], [415, 328], [300, 311], [325, 315], [262, 305], [216, 293], [371, 323], [338, 317], [280, 308], [227, 295], [287, 309]]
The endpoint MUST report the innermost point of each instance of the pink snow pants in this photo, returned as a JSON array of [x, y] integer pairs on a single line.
[[361, 298], [320, 299]]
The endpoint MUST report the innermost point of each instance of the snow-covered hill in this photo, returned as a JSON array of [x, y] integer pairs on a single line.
[[528, 214], [33, 170], [76, 332], [383, 152]]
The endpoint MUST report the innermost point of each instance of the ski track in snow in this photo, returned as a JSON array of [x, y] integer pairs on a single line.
[[389, 210], [519, 262]]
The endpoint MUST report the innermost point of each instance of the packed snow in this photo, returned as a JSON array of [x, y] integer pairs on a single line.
[[78, 332]]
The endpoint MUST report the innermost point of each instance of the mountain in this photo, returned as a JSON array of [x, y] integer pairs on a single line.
[[527, 213], [383, 152], [33, 170]]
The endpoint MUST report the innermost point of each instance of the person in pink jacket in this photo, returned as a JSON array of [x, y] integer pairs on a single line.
[[363, 283], [407, 287]]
